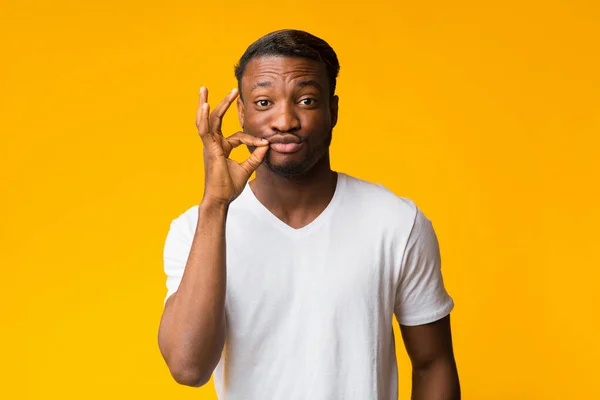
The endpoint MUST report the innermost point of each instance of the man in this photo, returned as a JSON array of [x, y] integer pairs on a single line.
[[285, 286]]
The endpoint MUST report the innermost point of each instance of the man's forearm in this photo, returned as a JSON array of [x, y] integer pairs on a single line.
[[438, 380], [192, 330]]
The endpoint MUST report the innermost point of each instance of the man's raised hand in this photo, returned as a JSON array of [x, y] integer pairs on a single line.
[[224, 179]]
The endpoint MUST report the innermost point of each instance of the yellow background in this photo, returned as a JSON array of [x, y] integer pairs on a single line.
[[487, 114]]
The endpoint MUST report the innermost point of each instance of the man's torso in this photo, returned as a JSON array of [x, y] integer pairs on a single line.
[[309, 311]]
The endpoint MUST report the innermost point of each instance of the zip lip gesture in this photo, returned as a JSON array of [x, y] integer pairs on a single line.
[[224, 178]]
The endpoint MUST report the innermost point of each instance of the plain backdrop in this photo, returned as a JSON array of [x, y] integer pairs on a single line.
[[485, 113]]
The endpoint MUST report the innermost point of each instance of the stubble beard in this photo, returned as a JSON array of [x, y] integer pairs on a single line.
[[297, 169]]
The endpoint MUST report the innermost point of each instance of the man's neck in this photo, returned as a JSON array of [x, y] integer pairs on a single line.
[[297, 201]]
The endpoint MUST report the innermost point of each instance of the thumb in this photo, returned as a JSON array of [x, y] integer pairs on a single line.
[[255, 159]]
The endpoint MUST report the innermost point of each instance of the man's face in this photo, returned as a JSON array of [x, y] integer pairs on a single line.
[[286, 100]]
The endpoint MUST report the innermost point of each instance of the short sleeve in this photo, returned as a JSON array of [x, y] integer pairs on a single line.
[[176, 251], [421, 297]]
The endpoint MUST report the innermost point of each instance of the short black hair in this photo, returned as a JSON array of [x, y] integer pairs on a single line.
[[292, 43]]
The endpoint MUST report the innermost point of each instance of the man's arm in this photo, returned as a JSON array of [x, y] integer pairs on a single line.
[[192, 329], [429, 347]]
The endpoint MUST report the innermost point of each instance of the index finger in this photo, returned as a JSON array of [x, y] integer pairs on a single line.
[[216, 117], [203, 98]]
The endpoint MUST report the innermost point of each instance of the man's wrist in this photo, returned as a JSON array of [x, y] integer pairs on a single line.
[[212, 208]]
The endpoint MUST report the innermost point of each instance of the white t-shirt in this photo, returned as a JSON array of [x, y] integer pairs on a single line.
[[309, 311]]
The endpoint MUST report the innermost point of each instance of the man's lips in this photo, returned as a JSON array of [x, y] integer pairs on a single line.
[[285, 143], [286, 147]]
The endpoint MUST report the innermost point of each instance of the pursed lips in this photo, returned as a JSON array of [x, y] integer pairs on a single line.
[[285, 143]]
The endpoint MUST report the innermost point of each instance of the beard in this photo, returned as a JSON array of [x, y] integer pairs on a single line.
[[297, 169]]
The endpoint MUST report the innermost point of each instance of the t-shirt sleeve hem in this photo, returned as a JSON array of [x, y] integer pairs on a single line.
[[428, 318]]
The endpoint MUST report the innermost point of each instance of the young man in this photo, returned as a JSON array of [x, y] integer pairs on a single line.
[[285, 286]]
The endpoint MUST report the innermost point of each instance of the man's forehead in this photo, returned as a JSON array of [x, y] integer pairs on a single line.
[[285, 67]]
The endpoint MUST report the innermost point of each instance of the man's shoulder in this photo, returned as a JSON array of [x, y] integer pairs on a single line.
[[368, 197], [377, 198], [186, 220]]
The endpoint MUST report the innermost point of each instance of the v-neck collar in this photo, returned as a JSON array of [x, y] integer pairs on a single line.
[[265, 214]]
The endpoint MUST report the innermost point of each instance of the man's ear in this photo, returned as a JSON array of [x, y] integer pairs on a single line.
[[333, 109], [240, 110]]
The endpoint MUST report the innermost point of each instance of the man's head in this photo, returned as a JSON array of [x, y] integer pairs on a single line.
[[287, 85]]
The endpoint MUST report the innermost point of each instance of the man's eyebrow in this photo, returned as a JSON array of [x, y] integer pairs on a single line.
[[261, 84], [309, 83]]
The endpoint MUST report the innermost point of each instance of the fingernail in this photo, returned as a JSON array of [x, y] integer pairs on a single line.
[[234, 89]]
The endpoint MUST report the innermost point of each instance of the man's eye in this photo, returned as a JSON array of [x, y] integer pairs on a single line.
[[262, 103], [307, 102]]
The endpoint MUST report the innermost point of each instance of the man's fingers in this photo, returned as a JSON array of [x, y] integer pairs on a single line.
[[240, 138], [255, 159], [203, 127], [203, 98], [216, 118]]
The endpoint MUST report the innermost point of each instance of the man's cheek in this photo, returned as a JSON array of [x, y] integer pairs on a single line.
[[253, 127], [249, 129]]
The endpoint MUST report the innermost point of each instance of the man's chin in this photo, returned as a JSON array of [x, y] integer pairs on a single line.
[[287, 170]]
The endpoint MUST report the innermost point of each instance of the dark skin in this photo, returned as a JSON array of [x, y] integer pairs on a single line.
[[290, 96], [434, 372], [283, 99]]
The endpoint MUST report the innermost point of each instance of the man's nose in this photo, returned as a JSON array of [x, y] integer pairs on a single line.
[[285, 119]]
